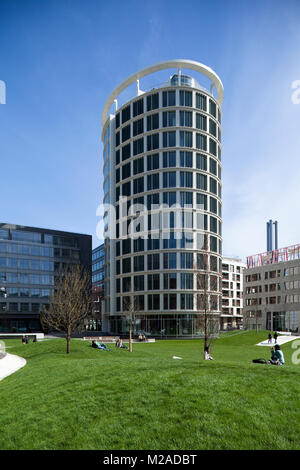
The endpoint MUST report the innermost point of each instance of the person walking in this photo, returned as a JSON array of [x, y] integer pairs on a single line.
[[270, 338], [275, 337]]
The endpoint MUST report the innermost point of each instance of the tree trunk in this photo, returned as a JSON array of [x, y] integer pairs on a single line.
[[130, 333], [68, 342]]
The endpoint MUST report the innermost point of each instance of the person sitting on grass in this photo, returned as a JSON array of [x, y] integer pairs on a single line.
[[207, 356], [277, 358]]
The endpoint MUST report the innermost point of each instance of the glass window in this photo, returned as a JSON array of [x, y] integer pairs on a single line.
[[138, 283], [138, 146], [186, 118], [138, 127], [201, 142], [138, 263], [153, 181], [201, 161], [153, 162], [213, 205], [152, 201], [186, 139], [126, 265], [213, 127], [153, 302], [213, 147], [201, 101], [186, 199], [213, 166], [169, 98], [153, 282], [126, 152], [126, 284], [213, 185], [186, 281], [138, 165], [138, 185], [201, 122], [152, 102], [212, 108], [169, 159], [169, 139], [152, 122], [186, 159], [186, 301], [185, 98], [169, 119], [186, 179], [169, 179], [152, 142], [126, 173], [153, 261], [201, 201], [125, 133], [186, 260], [170, 281], [213, 225], [169, 260], [126, 114], [138, 107], [169, 198]]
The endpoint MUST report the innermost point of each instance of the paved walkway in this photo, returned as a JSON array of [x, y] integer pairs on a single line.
[[10, 364], [280, 340]]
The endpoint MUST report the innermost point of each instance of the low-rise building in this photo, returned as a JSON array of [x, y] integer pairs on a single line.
[[272, 290], [96, 322], [232, 293], [30, 262]]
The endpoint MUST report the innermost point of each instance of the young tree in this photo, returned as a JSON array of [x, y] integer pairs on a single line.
[[130, 305], [207, 300], [70, 303]]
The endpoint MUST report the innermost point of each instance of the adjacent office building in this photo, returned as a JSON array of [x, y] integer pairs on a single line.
[[272, 290], [162, 180], [232, 293], [30, 260], [97, 322]]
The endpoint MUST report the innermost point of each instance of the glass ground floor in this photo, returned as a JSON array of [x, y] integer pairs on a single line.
[[163, 325], [283, 321], [20, 325]]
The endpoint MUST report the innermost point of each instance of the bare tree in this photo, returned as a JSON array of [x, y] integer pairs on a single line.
[[207, 300], [130, 306], [70, 303]]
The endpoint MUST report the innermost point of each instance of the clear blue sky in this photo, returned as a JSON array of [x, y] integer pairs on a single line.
[[60, 59]]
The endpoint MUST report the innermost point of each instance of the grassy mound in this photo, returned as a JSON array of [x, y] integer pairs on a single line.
[[94, 399]]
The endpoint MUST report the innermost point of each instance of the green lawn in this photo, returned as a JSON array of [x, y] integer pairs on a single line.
[[146, 400]]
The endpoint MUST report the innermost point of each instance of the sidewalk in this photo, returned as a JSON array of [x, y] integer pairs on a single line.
[[10, 364], [280, 340]]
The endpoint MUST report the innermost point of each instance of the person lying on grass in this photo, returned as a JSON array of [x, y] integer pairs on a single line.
[[101, 346]]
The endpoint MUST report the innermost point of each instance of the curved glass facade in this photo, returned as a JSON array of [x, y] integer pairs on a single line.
[[165, 185]]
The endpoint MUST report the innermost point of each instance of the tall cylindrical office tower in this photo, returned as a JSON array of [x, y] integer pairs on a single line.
[[162, 180]]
